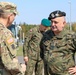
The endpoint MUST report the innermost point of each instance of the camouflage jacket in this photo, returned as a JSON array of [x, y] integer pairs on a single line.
[[59, 50], [32, 43], [8, 52]]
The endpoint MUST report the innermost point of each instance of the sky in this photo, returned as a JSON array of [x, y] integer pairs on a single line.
[[33, 11]]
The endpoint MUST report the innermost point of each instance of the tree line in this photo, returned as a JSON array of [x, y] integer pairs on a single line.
[[26, 27]]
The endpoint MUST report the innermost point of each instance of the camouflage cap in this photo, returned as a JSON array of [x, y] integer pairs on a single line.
[[8, 7]]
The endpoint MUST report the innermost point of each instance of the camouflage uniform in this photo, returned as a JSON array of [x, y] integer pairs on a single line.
[[8, 61], [59, 51], [32, 50], [8, 52]]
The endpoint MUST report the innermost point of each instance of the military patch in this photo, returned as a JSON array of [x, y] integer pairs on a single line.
[[13, 46], [10, 40]]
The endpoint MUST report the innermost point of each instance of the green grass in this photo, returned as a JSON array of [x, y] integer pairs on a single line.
[[20, 51]]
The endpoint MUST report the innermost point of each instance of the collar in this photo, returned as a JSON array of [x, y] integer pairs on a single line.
[[62, 34]]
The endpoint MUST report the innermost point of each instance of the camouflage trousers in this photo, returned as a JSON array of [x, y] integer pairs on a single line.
[[34, 66], [5, 72]]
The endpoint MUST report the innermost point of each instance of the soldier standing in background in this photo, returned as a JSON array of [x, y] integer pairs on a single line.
[[9, 64], [31, 49], [59, 46]]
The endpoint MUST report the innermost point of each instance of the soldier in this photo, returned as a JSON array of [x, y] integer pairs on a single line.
[[59, 46], [9, 64], [32, 48]]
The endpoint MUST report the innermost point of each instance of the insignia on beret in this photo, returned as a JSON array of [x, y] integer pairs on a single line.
[[56, 14], [52, 15]]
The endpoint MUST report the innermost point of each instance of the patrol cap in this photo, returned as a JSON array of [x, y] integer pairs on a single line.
[[56, 14], [8, 7], [46, 22]]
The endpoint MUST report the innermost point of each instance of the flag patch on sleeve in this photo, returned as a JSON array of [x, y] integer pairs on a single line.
[[10, 40]]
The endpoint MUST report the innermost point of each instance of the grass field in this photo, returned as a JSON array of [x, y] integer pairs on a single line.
[[20, 51]]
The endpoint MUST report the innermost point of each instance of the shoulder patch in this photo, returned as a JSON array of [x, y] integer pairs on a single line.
[[10, 40]]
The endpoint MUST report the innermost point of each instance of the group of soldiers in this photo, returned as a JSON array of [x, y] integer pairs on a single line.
[[52, 50]]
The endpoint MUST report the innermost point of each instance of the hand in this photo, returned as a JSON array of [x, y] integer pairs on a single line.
[[26, 59], [72, 70], [15, 60], [23, 67], [74, 73]]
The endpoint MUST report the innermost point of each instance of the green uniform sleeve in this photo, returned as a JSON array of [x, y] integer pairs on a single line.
[[27, 39], [8, 53], [25, 48], [74, 42]]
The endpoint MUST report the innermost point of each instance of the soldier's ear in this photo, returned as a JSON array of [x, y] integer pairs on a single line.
[[64, 22]]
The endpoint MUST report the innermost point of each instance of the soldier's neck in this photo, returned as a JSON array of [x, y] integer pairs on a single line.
[[56, 33], [3, 22]]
